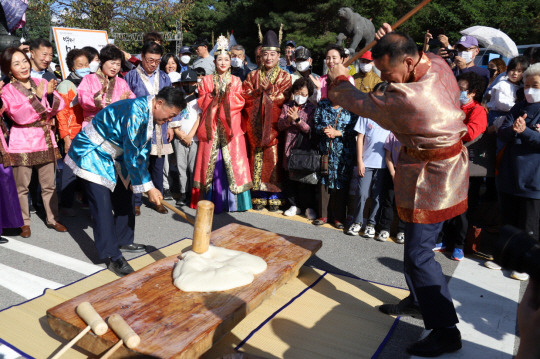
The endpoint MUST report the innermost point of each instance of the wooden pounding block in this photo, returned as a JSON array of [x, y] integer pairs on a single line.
[[176, 324]]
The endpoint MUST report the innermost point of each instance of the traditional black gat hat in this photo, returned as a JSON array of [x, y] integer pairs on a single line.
[[270, 40]]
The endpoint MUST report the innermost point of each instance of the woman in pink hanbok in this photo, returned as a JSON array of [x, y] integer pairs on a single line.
[[99, 90], [32, 103]]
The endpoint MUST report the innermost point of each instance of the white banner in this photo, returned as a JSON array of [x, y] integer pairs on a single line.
[[67, 39]]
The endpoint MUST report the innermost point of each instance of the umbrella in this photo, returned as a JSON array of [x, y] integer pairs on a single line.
[[493, 39], [14, 13]]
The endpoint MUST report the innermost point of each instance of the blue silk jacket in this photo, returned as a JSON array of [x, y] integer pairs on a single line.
[[116, 143]]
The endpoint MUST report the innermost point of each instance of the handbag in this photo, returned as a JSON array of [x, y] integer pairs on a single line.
[[324, 158], [303, 160]]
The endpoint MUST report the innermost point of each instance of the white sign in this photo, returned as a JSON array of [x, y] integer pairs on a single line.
[[67, 39]]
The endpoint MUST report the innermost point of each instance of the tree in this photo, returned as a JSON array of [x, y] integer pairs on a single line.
[[38, 19]]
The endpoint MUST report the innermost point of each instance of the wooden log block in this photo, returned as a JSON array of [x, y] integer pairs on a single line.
[[176, 324]]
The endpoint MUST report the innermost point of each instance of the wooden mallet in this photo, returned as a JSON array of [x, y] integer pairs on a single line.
[[90, 317], [124, 332], [202, 223], [394, 26]]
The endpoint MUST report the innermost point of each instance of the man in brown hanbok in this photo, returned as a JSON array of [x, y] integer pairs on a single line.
[[421, 107], [263, 91]]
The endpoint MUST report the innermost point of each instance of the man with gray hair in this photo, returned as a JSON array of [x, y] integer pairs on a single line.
[[239, 65]]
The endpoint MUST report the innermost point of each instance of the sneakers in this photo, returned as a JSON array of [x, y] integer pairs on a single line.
[[458, 254], [354, 229], [492, 265], [438, 342], [292, 211], [311, 214], [405, 307], [182, 200], [120, 267], [382, 236], [167, 194], [519, 276], [338, 225], [439, 247], [369, 232], [320, 221], [400, 238]]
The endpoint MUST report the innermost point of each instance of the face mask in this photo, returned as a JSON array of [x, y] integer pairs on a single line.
[[236, 62], [302, 66], [199, 80], [463, 98], [185, 59], [532, 95], [189, 88], [83, 72], [94, 66], [491, 72], [29, 55], [466, 55], [365, 68], [300, 100]]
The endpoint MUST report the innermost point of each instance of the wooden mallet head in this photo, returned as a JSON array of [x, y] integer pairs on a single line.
[[92, 318], [124, 331], [203, 226]]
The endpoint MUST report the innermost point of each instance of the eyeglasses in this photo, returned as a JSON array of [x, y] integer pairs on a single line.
[[153, 61]]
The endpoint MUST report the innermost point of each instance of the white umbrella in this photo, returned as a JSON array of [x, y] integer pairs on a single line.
[[493, 39]]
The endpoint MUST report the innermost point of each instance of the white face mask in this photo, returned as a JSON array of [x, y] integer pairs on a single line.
[[466, 55], [29, 55], [199, 80], [302, 66], [532, 95], [365, 68], [300, 100], [185, 59], [94, 66], [236, 62]]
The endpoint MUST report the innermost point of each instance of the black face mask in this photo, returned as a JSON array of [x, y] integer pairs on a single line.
[[189, 88], [492, 72]]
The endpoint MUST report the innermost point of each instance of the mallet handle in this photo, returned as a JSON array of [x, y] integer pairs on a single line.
[[203, 226], [394, 26], [113, 349], [124, 331], [71, 343], [182, 214]]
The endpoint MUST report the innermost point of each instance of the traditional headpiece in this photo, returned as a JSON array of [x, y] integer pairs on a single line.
[[222, 46], [270, 41]]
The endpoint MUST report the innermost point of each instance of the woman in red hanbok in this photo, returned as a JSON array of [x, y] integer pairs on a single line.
[[222, 172]]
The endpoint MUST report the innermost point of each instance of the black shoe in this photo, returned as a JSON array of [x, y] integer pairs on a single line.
[[181, 201], [167, 194], [3, 240], [404, 307], [438, 342], [120, 267], [133, 247], [273, 208]]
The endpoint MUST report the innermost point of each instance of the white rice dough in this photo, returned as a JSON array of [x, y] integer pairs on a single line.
[[215, 270]]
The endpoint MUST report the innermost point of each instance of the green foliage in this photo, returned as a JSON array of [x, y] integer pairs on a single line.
[[38, 19], [314, 24]]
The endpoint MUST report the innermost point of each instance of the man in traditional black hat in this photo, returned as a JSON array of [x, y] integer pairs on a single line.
[[264, 93]]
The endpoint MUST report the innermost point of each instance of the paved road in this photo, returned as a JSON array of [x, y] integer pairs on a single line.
[[486, 299]]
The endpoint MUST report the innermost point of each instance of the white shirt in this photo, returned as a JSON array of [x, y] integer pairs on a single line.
[[503, 96], [187, 118]]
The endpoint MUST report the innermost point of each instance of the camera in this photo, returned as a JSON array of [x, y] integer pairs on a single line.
[[514, 249], [451, 54]]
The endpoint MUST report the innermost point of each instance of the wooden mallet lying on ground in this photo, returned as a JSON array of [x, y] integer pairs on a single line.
[[125, 334], [90, 317]]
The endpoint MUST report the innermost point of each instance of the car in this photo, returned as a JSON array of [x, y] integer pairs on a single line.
[[485, 55]]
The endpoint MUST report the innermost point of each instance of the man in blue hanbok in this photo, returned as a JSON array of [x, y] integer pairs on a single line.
[[111, 155]]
